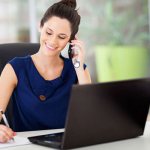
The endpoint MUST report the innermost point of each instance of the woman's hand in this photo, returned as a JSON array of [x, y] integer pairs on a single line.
[[6, 134], [78, 57], [78, 52]]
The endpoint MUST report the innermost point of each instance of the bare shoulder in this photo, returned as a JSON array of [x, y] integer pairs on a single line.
[[8, 81], [8, 74]]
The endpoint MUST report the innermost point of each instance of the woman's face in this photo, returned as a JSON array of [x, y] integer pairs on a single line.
[[55, 34]]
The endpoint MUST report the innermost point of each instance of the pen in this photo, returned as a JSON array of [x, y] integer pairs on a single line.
[[5, 120]]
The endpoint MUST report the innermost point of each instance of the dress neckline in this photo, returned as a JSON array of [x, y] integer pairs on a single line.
[[53, 80]]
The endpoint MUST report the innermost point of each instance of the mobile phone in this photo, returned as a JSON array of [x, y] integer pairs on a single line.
[[76, 62], [70, 52]]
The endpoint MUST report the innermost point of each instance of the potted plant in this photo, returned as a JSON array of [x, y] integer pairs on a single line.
[[124, 53]]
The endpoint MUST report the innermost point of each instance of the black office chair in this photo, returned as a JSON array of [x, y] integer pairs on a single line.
[[9, 51]]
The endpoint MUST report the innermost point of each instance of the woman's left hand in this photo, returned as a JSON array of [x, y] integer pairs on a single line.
[[78, 52]]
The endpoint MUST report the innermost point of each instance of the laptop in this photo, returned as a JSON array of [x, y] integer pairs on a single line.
[[102, 112]]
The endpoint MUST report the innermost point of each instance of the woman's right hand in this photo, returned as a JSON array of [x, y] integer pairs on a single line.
[[6, 134]]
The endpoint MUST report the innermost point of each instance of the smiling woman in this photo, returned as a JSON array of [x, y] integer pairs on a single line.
[[44, 79], [55, 34]]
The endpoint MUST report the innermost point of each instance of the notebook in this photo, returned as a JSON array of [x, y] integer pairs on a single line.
[[102, 112]]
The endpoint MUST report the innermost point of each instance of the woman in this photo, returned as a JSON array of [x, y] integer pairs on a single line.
[[40, 84]]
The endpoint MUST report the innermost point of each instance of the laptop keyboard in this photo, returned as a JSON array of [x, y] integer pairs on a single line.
[[57, 137], [48, 138]]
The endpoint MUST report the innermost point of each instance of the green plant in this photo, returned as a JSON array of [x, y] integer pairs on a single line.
[[124, 26], [121, 62]]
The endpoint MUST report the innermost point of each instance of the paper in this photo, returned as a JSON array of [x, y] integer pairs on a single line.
[[17, 141]]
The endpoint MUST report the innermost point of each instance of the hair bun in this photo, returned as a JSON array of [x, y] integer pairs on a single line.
[[71, 3]]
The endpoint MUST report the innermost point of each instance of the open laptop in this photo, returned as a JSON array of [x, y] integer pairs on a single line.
[[102, 112]]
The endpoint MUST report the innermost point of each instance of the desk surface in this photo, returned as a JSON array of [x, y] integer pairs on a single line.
[[139, 143]]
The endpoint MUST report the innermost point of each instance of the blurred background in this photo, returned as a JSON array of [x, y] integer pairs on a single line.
[[115, 32]]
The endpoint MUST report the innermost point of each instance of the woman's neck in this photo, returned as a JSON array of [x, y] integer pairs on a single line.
[[47, 62]]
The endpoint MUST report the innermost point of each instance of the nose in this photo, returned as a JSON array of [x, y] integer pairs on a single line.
[[53, 40]]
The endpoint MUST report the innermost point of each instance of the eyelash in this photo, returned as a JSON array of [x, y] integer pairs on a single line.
[[59, 36], [62, 38], [48, 33]]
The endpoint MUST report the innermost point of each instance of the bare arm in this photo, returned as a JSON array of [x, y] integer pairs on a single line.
[[83, 75], [8, 82]]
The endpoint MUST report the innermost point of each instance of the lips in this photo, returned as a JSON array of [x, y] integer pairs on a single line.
[[49, 47]]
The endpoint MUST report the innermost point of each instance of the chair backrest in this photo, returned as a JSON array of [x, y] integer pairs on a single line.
[[7, 52], [11, 50]]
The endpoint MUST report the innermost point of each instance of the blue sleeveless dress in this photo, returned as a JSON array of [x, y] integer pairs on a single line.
[[40, 104]]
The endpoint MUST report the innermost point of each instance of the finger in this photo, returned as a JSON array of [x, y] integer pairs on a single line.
[[4, 137], [76, 48], [7, 130], [77, 42]]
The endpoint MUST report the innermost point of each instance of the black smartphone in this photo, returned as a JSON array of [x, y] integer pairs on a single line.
[[70, 52]]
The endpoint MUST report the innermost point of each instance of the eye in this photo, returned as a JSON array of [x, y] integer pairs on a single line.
[[61, 37], [49, 33]]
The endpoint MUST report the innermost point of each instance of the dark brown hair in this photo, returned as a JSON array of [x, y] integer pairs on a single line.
[[64, 9]]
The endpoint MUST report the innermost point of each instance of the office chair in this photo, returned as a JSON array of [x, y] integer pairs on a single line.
[[7, 52]]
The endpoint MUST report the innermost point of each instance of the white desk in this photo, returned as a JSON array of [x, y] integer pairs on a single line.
[[139, 143]]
